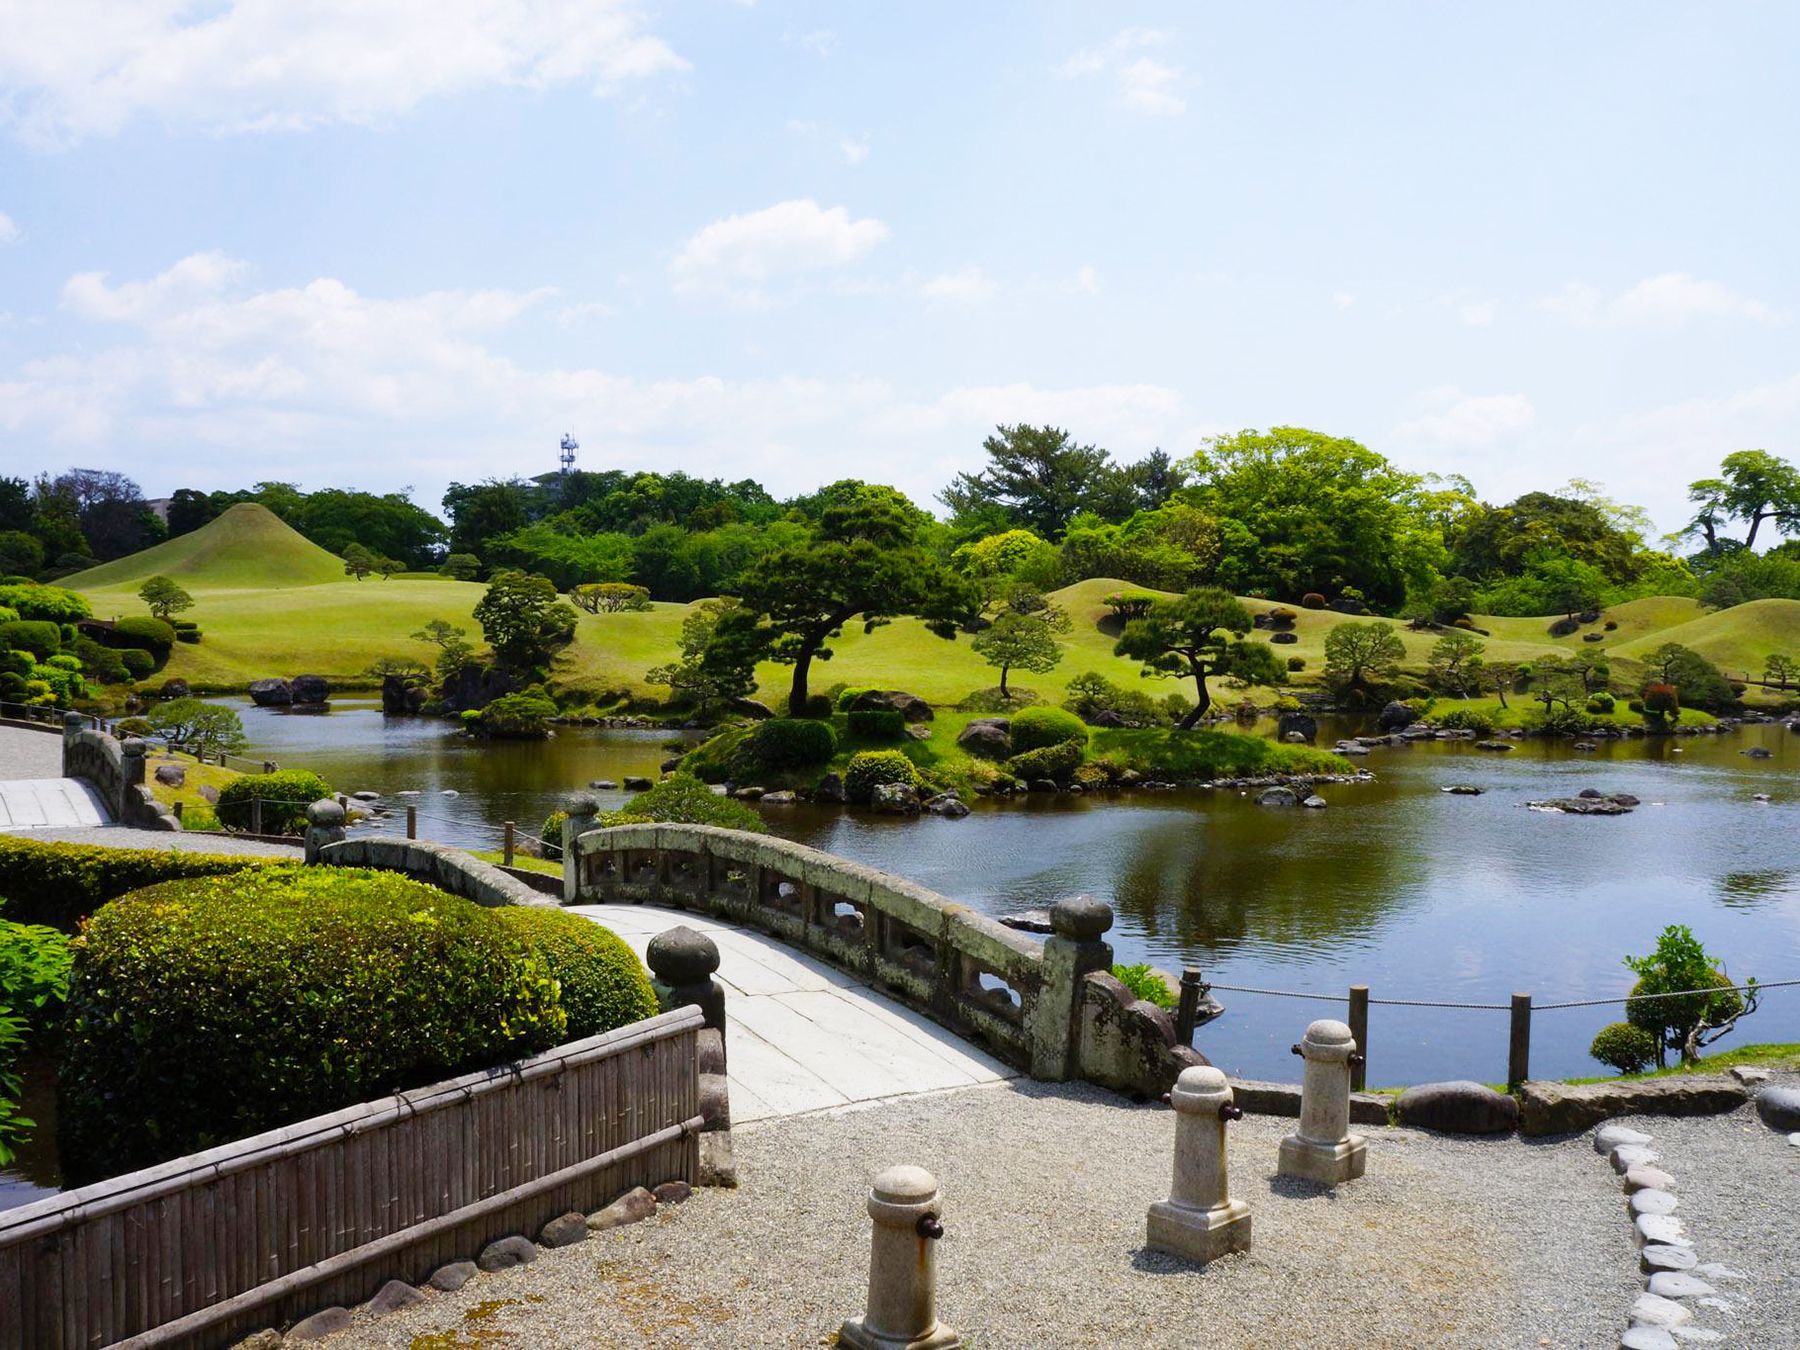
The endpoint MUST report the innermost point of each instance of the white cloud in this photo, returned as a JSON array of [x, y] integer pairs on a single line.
[[1666, 300], [1142, 83], [854, 149], [1477, 313], [79, 68], [1446, 418], [9, 231], [820, 43], [202, 370], [966, 285], [1342, 300], [738, 254], [1087, 280]]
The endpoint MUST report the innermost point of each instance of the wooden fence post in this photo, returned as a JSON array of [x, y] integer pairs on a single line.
[[1518, 1056], [507, 850], [1187, 1012], [412, 822], [256, 815], [1359, 1032], [177, 810]]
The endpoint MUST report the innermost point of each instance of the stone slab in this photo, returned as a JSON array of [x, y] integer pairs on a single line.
[[1678, 1284], [1661, 1257], [1200, 1235], [1609, 1137], [1567, 1108], [1654, 1202]]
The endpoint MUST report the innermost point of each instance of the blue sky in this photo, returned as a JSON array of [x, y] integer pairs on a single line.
[[396, 243]]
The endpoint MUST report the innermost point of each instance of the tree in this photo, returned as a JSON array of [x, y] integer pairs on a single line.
[[523, 620], [862, 559], [164, 597], [1022, 640], [1780, 669], [1568, 586], [1753, 486], [111, 511], [389, 567], [1361, 658], [461, 567], [206, 728], [1501, 541], [610, 597], [1554, 681], [1455, 664], [1592, 667], [1196, 636], [710, 672], [454, 648], [999, 560], [1681, 965], [359, 562], [1300, 511], [1037, 475], [21, 555], [1699, 681]]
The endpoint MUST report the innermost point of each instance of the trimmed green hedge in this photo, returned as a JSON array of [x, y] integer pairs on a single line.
[[40, 637], [205, 1010], [285, 796], [684, 800], [61, 884], [1035, 728], [876, 724], [1049, 761], [870, 768], [600, 982], [153, 635], [792, 743]]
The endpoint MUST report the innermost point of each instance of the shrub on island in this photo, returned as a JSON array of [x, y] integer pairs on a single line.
[[876, 724], [1036, 728], [1051, 761], [682, 799], [783, 743], [284, 795], [869, 769]]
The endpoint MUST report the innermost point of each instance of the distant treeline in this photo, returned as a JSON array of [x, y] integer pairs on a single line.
[[1283, 514]]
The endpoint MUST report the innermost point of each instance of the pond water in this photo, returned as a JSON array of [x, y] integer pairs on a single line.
[[1417, 893]]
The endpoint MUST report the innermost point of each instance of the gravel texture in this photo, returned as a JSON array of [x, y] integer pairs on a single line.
[[30, 754], [1446, 1242], [119, 836], [1739, 1186]]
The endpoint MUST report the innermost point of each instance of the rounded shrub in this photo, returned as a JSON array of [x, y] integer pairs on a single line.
[[1049, 761], [137, 662], [1662, 699], [285, 795], [791, 743], [1035, 728], [1622, 1046], [17, 663], [683, 799], [1282, 617], [40, 637], [205, 1010], [869, 769], [818, 706], [600, 982], [34, 601], [1296, 663], [1671, 1017], [153, 635], [550, 835], [1636, 705], [1600, 702], [1312, 600], [876, 724], [133, 726], [847, 696], [13, 688], [188, 635]]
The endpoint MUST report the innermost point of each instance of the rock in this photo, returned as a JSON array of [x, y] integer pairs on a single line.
[[1029, 921], [506, 1253], [948, 806], [1712, 1270], [1277, 796], [171, 775], [310, 689], [634, 1206], [266, 1339], [1593, 637], [401, 696], [749, 707], [1750, 1075], [449, 1278], [1653, 1202], [1043, 785], [325, 1322], [782, 798], [1609, 1137], [449, 792], [393, 1296], [1461, 1107], [1660, 1230], [271, 693], [1284, 639], [672, 1192], [1659, 1257], [1627, 1156], [670, 764], [1779, 1107], [1395, 716], [179, 689], [1582, 806], [1352, 751], [209, 794], [1652, 1310], [1758, 752], [894, 799], [1300, 724], [1493, 745], [1586, 745], [1647, 1338], [1761, 797], [1106, 717], [1678, 1284], [1794, 1139], [1463, 790], [603, 784], [988, 738], [366, 796], [910, 706], [749, 794], [637, 783], [829, 789], [1314, 803], [565, 1230], [1647, 1178]]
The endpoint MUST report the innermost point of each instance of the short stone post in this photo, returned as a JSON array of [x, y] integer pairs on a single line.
[[412, 822], [1323, 1149], [683, 963], [324, 825], [1074, 950], [133, 769], [906, 1205], [1200, 1220], [581, 811]]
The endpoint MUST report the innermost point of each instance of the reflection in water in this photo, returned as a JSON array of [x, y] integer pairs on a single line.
[[1756, 888]]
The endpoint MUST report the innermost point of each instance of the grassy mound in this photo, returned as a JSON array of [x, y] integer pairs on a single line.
[[249, 547], [1737, 640]]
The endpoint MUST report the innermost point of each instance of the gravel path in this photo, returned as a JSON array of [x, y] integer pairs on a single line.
[[119, 836], [1446, 1242], [29, 754], [1739, 1185]]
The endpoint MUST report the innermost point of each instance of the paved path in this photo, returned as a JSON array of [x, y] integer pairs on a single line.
[[37, 804], [29, 754], [801, 1036], [122, 836]]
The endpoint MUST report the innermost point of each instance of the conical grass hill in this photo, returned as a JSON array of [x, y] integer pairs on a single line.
[[249, 548]]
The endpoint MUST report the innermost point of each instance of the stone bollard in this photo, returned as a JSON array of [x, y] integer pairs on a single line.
[[581, 811], [905, 1204], [324, 825], [683, 963], [1200, 1220], [1075, 949], [1323, 1149]]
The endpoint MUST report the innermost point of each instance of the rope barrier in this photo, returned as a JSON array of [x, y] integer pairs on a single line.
[[1498, 1007]]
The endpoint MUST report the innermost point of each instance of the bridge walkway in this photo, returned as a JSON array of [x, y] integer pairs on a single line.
[[33, 793], [801, 1036]]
